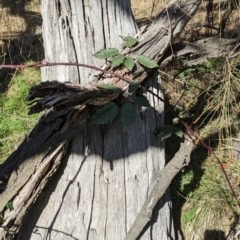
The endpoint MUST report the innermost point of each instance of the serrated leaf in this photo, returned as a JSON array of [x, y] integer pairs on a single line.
[[178, 132], [147, 62], [110, 87], [106, 113], [130, 41], [133, 86], [141, 100], [127, 113], [129, 63], [9, 205], [106, 53], [117, 61]]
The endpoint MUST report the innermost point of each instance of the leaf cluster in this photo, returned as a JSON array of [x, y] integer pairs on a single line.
[[128, 62], [127, 111], [167, 131]]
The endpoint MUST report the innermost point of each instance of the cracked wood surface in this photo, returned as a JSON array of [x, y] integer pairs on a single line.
[[153, 43], [162, 183], [107, 172]]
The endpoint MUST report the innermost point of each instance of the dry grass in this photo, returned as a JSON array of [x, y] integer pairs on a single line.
[[19, 16], [15, 17], [203, 24], [147, 8]]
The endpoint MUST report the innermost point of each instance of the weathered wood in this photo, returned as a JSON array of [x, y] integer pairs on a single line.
[[74, 42], [108, 171], [64, 96], [202, 50], [234, 233], [51, 131], [162, 183], [159, 36]]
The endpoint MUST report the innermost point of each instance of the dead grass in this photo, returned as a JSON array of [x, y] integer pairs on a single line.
[[16, 18], [147, 8], [203, 24], [19, 16]]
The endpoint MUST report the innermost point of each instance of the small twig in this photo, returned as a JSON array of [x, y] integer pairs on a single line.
[[189, 131], [48, 64], [209, 149]]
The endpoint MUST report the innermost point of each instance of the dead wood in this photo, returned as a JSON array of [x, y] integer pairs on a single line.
[[205, 49], [152, 43], [29, 168], [163, 181], [234, 232], [25, 173], [196, 53], [64, 96]]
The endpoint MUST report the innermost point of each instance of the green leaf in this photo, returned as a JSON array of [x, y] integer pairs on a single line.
[[147, 62], [175, 120], [106, 113], [178, 132], [141, 100], [9, 205], [110, 87], [130, 41], [106, 53], [167, 131], [129, 63], [133, 86], [117, 61], [127, 113]]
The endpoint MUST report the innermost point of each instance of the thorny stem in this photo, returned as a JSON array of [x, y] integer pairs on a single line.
[[48, 64], [188, 130]]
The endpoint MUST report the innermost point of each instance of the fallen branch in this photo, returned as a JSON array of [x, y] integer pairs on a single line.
[[25, 173], [28, 169], [164, 179], [206, 48], [64, 96]]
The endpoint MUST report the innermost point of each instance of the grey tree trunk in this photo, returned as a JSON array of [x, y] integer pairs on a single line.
[[104, 180]]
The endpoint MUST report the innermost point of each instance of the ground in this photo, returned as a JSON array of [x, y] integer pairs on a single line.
[[203, 205]]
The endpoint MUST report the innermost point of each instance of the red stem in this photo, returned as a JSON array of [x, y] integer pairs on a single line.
[[47, 64], [188, 129]]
